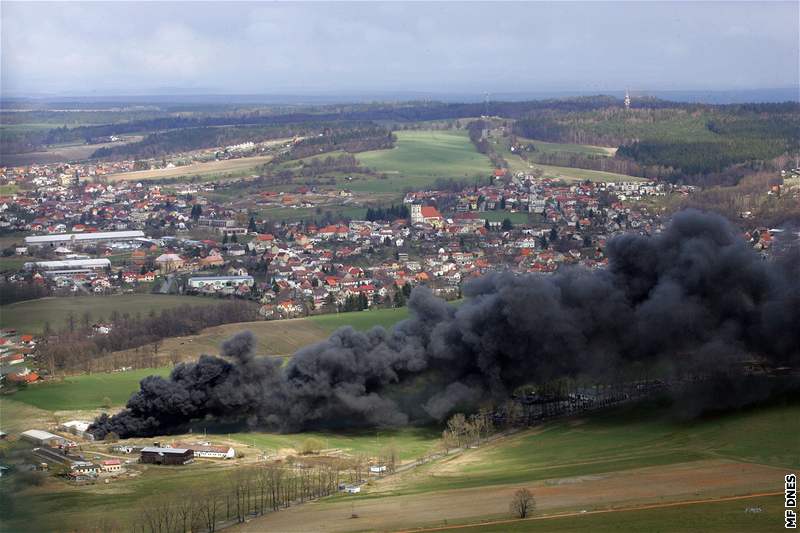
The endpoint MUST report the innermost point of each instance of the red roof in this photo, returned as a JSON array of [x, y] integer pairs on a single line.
[[28, 378], [430, 212]]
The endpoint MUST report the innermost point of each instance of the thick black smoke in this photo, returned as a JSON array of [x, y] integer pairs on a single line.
[[694, 299]]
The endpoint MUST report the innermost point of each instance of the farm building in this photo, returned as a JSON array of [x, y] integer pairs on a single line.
[[65, 239], [111, 465], [166, 456], [77, 427], [43, 438], [209, 451]]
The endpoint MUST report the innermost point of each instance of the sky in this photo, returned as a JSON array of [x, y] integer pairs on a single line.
[[101, 48]]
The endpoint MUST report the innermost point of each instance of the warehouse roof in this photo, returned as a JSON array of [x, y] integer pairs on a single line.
[[69, 264], [39, 434], [153, 449], [77, 237]]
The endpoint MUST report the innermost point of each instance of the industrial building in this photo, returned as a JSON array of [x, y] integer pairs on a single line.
[[43, 438], [69, 265], [166, 456], [209, 451], [218, 283], [66, 239], [79, 428]]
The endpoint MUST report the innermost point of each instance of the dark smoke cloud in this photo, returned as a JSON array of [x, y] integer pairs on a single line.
[[693, 299]]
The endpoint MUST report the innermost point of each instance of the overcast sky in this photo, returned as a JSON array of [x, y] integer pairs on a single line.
[[315, 48]]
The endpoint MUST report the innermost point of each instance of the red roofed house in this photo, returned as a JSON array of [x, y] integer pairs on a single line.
[[426, 214]]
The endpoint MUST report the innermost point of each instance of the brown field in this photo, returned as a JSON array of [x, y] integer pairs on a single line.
[[682, 482], [58, 154], [195, 169], [275, 337]]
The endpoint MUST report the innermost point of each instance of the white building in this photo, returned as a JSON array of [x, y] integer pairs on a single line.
[[218, 283], [71, 239]]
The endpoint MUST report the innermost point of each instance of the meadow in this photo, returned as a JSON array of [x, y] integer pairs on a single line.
[[422, 156], [578, 149], [621, 439], [86, 392], [277, 338], [30, 316], [636, 462], [410, 442]]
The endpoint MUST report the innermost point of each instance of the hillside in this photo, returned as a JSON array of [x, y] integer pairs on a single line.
[[624, 459]]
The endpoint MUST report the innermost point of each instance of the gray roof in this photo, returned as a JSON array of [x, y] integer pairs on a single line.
[[153, 449], [69, 264], [90, 236]]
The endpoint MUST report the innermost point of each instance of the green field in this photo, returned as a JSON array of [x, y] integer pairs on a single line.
[[723, 517], [284, 336], [361, 320], [420, 157], [543, 147], [30, 316], [86, 392], [568, 174], [14, 263], [499, 216], [623, 439], [410, 442]]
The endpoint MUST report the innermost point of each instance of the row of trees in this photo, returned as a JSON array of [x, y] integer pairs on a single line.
[[390, 213], [75, 346]]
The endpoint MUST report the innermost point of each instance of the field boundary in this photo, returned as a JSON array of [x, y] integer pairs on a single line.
[[598, 511]]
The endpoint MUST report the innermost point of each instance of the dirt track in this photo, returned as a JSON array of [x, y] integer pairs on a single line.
[[645, 486], [228, 165]]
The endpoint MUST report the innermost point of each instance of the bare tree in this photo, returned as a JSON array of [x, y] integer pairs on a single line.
[[523, 503]]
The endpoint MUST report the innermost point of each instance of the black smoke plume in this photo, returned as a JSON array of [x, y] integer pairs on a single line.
[[693, 299]]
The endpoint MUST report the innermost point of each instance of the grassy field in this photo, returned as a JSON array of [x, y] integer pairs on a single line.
[[420, 157], [619, 440], [499, 216], [86, 392], [361, 320], [14, 263], [580, 149], [410, 442], [568, 174], [30, 316], [278, 337]]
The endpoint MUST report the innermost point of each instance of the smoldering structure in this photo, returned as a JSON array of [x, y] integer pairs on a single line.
[[694, 299]]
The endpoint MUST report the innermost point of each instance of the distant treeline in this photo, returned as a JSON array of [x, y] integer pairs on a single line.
[[393, 112]]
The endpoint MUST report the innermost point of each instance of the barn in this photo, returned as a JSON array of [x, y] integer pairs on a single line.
[[166, 456]]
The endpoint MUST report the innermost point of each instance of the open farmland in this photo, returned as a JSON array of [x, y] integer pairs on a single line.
[[725, 515], [422, 156], [517, 164], [410, 442], [232, 167], [276, 338], [30, 316], [579, 149], [85, 392], [626, 458]]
